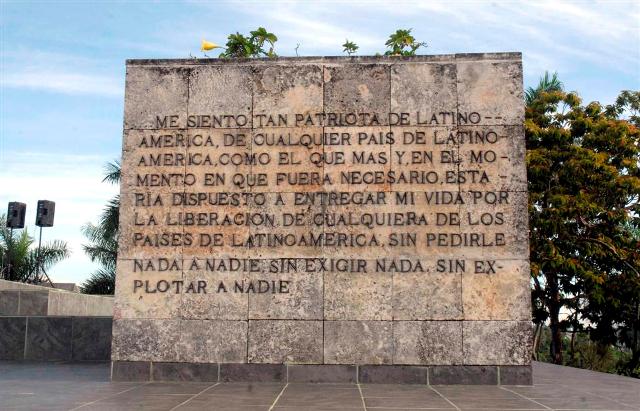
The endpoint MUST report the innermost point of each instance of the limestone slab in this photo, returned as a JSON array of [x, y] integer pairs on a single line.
[[357, 296], [285, 341], [303, 299], [427, 296], [155, 91], [478, 90], [220, 91], [497, 342], [427, 342], [358, 342], [145, 340], [361, 88], [500, 295], [212, 341], [424, 91], [287, 90]]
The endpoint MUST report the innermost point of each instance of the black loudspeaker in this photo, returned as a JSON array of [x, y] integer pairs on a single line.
[[44, 215], [15, 214]]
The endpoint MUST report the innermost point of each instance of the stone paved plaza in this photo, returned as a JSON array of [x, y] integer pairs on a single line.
[[60, 386]]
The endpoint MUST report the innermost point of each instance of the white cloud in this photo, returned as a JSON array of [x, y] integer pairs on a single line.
[[58, 72], [65, 82]]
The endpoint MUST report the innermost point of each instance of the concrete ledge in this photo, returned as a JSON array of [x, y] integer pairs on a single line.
[[17, 299], [323, 373], [46, 338]]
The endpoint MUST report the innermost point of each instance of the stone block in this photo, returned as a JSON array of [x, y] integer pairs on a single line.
[[48, 339], [323, 373], [253, 372], [91, 338], [503, 295], [280, 341], [218, 91], [12, 337], [358, 342], [463, 375], [66, 303], [498, 151], [516, 375], [218, 301], [302, 301], [180, 371], [392, 374], [499, 231], [424, 91], [286, 90], [478, 90], [427, 296], [427, 342], [497, 342], [358, 88], [212, 341], [131, 371], [357, 296], [33, 303], [145, 340], [152, 91], [9, 302], [144, 296]]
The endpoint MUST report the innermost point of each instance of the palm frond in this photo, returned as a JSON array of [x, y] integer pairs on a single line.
[[102, 282], [112, 172]]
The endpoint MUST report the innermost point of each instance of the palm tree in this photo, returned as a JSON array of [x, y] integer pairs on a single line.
[[103, 240], [400, 40], [19, 261], [548, 83]]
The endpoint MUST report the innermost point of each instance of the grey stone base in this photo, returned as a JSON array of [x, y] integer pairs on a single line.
[[325, 373], [49, 338]]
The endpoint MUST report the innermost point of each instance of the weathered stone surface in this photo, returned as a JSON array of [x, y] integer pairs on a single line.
[[367, 211], [503, 295], [180, 371], [299, 373], [464, 375], [424, 90], [91, 338], [145, 340], [211, 341], [497, 342], [358, 88], [219, 302], [147, 300], [130, 370], [287, 90], [358, 342], [349, 296], [430, 296], [220, 90], [9, 302], [12, 334], [392, 374], [280, 341], [478, 90], [33, 302], [155, 91], [427, 342], [302, 302], [48, 339]]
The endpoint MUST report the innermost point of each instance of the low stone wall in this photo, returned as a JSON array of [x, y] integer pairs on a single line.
[[47, 338], [19, 299]]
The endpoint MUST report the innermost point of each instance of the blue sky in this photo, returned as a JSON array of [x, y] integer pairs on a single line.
[[63, 64]]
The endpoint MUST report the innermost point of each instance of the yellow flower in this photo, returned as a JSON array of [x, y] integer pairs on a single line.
[[207, 45]]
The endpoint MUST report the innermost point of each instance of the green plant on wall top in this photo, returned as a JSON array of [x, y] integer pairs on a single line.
[[349, 47], [402, 43], [252, 46]]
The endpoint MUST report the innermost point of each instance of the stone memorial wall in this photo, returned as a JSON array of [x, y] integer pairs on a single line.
[[324, 219]]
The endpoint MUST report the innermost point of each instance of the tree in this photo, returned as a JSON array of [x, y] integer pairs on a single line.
[[103, 240], [19, 260], [584, 186], [402, 43], [241, 46], [547, 84], [349, 47]]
